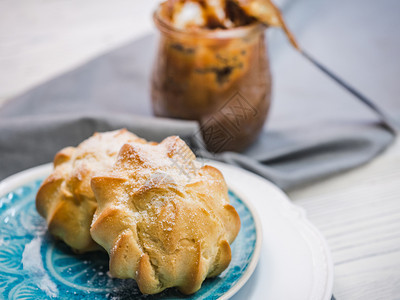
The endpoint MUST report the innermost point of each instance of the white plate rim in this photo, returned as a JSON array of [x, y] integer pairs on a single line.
[[298, 217]]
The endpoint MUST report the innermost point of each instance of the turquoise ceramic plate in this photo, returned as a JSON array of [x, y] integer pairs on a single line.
[[33, 265]]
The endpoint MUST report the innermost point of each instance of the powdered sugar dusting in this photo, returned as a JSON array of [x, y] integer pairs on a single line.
[[33, 265]]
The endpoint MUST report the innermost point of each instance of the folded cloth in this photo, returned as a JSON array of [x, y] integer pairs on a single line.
[[112, 92], [289, 159]]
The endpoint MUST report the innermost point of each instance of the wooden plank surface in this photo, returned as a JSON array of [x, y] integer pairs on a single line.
[[359, 214], [42, 39]]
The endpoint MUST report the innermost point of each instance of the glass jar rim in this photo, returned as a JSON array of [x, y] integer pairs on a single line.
[[231, 33]]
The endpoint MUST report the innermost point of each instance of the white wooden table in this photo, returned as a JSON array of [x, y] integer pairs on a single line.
[[358, 212], [359, 215]]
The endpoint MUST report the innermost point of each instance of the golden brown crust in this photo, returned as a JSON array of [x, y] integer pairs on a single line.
[[164, 220], [65, 199]]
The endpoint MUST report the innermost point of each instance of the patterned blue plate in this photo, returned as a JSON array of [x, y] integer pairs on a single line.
[[33, 265]]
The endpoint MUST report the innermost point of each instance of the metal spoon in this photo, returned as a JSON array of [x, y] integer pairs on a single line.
[[267, 13]]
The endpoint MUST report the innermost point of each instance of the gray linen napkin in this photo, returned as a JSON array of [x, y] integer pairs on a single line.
[[112, 91]]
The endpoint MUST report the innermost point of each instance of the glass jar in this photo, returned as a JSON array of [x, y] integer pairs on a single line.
[[219, 77]]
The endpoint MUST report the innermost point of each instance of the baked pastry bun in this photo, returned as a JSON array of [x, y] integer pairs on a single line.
[[164, 220], [65, 198]]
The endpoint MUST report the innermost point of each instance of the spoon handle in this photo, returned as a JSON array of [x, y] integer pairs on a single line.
[[386, 121]]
